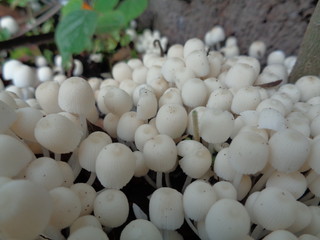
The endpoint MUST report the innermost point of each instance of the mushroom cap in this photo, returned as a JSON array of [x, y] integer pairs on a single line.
[[240, 75], [24, 76], [66, 207], [198, 62], [220, 98], [289, 149], [76, 96], [47, 96], [280, 234], [166, 208], [274, 208], [57, 133], [117, 101], [172, 120], [171, 95], [248, 153], [309, 87], [225, 189], [9, 68], [86, 194], [216, 125], [90, 147], [257, 49], [140, 229], [14, 156], [7, 116], [121, 71], [194, 93], [147, 105], [143, 133], [222, 166], [110, 123], [302, 219], [84, 221], [188, 147], [26, 209], [115, 165], [191, 45], [198, 197], [227, 219], [44, 73], [127, 126], [270, 118], [294, 182], [25, 124], [141, 166], [44, 171], [111, 207], [160, 153], [246, 98], [88, 232], [170, 67], [197, 163]]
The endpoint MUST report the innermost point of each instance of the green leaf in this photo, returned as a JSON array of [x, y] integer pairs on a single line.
[[4, 34], [20, 53], [132, 8], [125, 40], [110, 21], [74, 32], [104, 5], [72, 5]]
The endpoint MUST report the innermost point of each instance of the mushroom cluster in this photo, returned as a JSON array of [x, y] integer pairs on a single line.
[[244, 140]]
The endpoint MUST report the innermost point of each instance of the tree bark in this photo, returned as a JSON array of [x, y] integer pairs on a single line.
[[308, 61], [279, 23]]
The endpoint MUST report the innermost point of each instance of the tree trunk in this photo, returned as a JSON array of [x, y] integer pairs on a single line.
[[280, 24], [308, 61]]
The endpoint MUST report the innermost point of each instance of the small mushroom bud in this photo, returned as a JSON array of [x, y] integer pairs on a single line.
[[227, 219], [240, 75], [257, 49], [121, 71], [194, 93], [111, 207], [115, 165], [172, 120], [198, 62], [166, 208], [192, 45], [216, 126]]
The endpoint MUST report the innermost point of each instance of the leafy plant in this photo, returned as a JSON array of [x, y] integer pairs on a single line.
[[81, 24]]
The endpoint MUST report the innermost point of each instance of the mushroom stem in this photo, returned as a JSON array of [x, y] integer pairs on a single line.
[[167, 179], [313, 201], [150, 181], [257, 232], [45, 152], [311, 176], [307, 197], [91, 179], [186, 183], [193, 228], [195, 123], [157, 41], [262, 180], [165, 234], [74, 164], [57, 156], [236, 180], [159, 180], [83, 122]]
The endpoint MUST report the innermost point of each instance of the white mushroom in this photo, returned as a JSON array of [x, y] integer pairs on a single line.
[[111, 208]]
